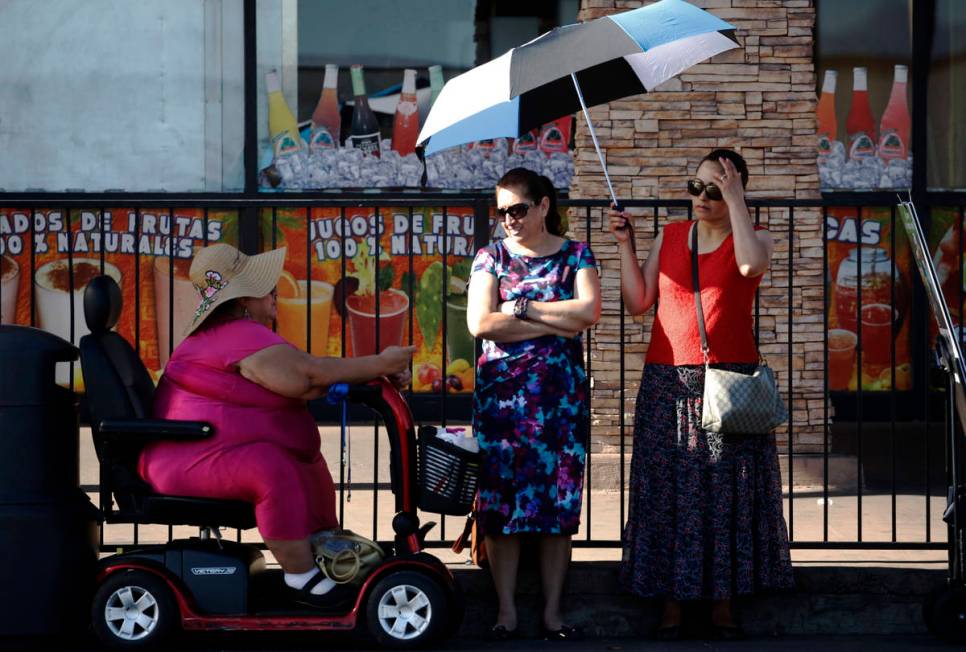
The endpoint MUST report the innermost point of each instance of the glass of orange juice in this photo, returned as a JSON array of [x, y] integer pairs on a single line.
[[293, 301]]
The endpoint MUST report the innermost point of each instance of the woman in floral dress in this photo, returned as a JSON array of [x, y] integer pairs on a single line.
[[530, 296]]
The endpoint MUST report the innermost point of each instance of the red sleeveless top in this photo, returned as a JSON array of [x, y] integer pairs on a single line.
[[727, 298]]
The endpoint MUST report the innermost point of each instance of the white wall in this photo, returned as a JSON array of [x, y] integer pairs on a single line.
[[121, 94]]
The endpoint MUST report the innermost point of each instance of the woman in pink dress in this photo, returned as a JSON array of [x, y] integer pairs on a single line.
[[234, 372]]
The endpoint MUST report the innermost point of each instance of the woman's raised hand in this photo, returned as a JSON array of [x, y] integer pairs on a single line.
[[729, 181], [621, 225]]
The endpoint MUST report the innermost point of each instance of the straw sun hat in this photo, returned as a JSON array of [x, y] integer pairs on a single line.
[[220, 273]]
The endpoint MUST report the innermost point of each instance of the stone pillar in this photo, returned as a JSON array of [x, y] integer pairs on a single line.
[[759, 99]]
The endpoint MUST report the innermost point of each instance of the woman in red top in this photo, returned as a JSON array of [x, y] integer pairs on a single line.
[[705, 519]]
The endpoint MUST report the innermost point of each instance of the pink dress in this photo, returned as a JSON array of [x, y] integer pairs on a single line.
[[265, 449]]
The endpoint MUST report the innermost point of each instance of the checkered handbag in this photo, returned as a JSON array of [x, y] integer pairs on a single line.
[[741, 403], [733, 402]]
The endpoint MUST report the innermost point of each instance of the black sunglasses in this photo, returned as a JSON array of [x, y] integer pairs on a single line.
[[697, 186], [516, 211]]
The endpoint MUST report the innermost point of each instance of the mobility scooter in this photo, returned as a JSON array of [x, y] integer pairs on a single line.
[[142, 596]]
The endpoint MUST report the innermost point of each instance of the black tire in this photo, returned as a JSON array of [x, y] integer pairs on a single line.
[[407, 610], [134, 610], [945, 613]]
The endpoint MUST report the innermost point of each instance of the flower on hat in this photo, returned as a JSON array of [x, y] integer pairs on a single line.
[[213, 285]]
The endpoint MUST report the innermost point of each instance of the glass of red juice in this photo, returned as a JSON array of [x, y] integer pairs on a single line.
[[361, 309], [877, 320], [841, 358]]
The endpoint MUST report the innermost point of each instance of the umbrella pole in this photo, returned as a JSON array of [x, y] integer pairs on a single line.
[[593, 135]]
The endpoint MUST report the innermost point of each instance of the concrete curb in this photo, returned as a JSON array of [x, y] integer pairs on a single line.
[[828, 600]]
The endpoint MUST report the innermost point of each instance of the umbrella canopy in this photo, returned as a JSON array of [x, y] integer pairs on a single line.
[[612, 57], [572, 67]]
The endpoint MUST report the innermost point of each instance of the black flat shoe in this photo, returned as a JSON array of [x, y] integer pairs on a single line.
[[338, 597], [565, 633], [727, 632], [501, 633], [669, 633]]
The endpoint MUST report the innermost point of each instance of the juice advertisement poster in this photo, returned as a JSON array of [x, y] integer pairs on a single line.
[[869, 301], [946, 246], [346, 291], [47, 258]]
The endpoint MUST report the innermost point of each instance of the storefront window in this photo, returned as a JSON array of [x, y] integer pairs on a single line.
[[863, 53], [946, 169], [129, 95], [345, 87]]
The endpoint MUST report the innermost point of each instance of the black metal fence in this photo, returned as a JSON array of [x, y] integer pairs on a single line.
[[875, 457]]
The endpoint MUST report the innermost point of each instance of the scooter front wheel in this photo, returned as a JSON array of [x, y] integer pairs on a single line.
[[134, 610], [406, 610]]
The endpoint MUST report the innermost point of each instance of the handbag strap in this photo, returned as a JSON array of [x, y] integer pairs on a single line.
[[695, 281]]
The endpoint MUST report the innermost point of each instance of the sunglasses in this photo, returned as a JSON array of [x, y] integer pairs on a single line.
[[697, 186], [516, 211]]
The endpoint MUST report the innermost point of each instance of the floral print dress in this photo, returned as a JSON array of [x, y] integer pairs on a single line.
[[530, 410]]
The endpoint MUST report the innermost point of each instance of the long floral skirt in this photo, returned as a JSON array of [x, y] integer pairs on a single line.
[[705, 518], [530, 419]]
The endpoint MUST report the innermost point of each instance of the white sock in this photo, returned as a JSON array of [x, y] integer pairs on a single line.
[[298, 580]]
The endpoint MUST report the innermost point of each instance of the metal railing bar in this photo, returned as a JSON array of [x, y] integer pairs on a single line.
[[859, 382], [343, 435], [588, 477], [308, 282], [892, 358], [825, 383], [791, 418]]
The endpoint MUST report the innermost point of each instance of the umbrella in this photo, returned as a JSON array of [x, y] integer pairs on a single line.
[[573, 67]]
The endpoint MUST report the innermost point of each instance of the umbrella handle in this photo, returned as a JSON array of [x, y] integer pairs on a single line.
[[593, 135]]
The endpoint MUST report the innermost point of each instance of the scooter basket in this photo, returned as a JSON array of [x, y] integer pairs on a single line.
[[447, 475]]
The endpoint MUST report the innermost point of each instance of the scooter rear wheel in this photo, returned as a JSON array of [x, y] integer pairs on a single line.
[[406, 610], [134, 610]]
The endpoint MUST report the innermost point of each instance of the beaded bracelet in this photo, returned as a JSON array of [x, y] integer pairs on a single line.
[[520, 308]]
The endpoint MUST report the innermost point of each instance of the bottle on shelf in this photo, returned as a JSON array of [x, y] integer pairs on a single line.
[[860, 125], [282, 127], [326, 122], [364, 133], [405, 127], [828, 126], [895, 124]]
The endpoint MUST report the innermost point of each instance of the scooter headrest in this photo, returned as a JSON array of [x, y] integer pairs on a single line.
[[102, 304]]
